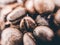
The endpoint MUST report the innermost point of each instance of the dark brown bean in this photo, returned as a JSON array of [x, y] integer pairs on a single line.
[[29, 5], [11, 36], [44, 33], [43, 6], [41, 21], [16, 13], [28, 23], [57, 18], [28, 39]]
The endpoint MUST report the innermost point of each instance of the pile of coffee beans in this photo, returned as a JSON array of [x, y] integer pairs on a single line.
[[29, 22]]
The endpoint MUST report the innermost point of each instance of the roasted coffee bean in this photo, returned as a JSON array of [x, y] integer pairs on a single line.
[[28, 39], [11, 36], [16, 14], [30, 6], [57, 18], [41, 21], [27, 23], [43, 6], [44, 33]]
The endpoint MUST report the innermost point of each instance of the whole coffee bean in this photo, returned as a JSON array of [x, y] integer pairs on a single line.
[[44, 6], [11, 36], [16, 14], [29, 5], [27, 23], [41, 21], [44, 33], [57, 18], [28, 39], [7, 1]]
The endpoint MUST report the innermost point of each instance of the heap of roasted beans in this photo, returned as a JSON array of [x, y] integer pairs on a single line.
[[29, 22]]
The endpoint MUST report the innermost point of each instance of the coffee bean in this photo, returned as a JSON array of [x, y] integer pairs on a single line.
[[28, 39], [27, 23], [16, 14], [44, 33], [11, 36], [41, 21]]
